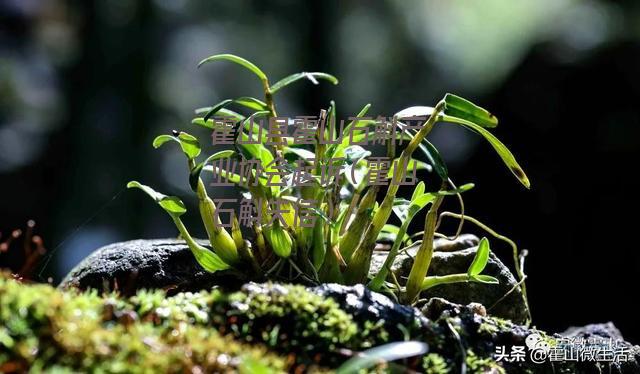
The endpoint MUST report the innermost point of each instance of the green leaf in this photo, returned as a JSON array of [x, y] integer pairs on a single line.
[[458, 107], [216, 108], [304, 75], [245, 101], [251, 103], [384, 353], [390, 233], [336, 149], [210, 261], [254, 128], [255, 151], [409, 167], [504, 153], [300, 152], [230, 177], [435, 159], [194, 175], [419, 190], [420, 202], [390, 228], [481, 258], [171, 204], [414, 111], [223, 112], [238, 60], [148, 190], [401, 208], [206, 123], [189, 144], [161, 139], [406, 210], [355, 153], [487, 279], [262, 153], [464, 188]]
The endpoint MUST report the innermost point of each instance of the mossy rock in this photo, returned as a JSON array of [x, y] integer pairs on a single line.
[[261, 327], [43, 329]]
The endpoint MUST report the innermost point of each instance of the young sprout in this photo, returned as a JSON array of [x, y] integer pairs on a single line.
[[348, 219]]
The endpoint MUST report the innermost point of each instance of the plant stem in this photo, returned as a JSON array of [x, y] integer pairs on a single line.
[[352, 205], [353, 236], [425, 252], [207, 259], [358, 267], [184, 233], [221, 241], [377, 281], [268, 99]]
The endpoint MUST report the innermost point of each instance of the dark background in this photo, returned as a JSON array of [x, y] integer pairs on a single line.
[[85, 87]]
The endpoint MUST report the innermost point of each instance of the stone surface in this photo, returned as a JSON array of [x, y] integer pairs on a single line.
[[436, 306], [457, 260], [602, 330], [485, 333], [463, 241], [365, 305], [164, 264], [144, 264]]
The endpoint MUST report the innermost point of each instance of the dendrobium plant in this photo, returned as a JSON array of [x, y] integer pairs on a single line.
[[349, 222]]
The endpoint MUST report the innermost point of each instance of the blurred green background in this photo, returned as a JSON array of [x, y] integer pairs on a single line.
[[86, 85]]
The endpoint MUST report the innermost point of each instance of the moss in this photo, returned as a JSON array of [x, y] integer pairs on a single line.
[[45, 329], [434, 363], [488, 328], [42, 328], [287, 318], [372, 333], [476, 364]]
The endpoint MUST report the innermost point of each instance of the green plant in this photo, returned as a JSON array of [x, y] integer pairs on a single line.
[[338, 247]]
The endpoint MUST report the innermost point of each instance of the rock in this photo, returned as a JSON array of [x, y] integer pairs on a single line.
[[144, 264], [463, 241], [481, 334], [168, 264], [436, 306], [511, 307], [602, 330], [365, 305], [323, 325], [607, 335], [161, 264]]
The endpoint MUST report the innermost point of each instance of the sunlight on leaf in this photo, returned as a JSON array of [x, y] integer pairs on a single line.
[[457, 106], [481, 258], [238, 60], [304, 75]]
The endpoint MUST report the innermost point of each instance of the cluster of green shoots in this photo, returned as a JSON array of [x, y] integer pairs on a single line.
[[351, 221]]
